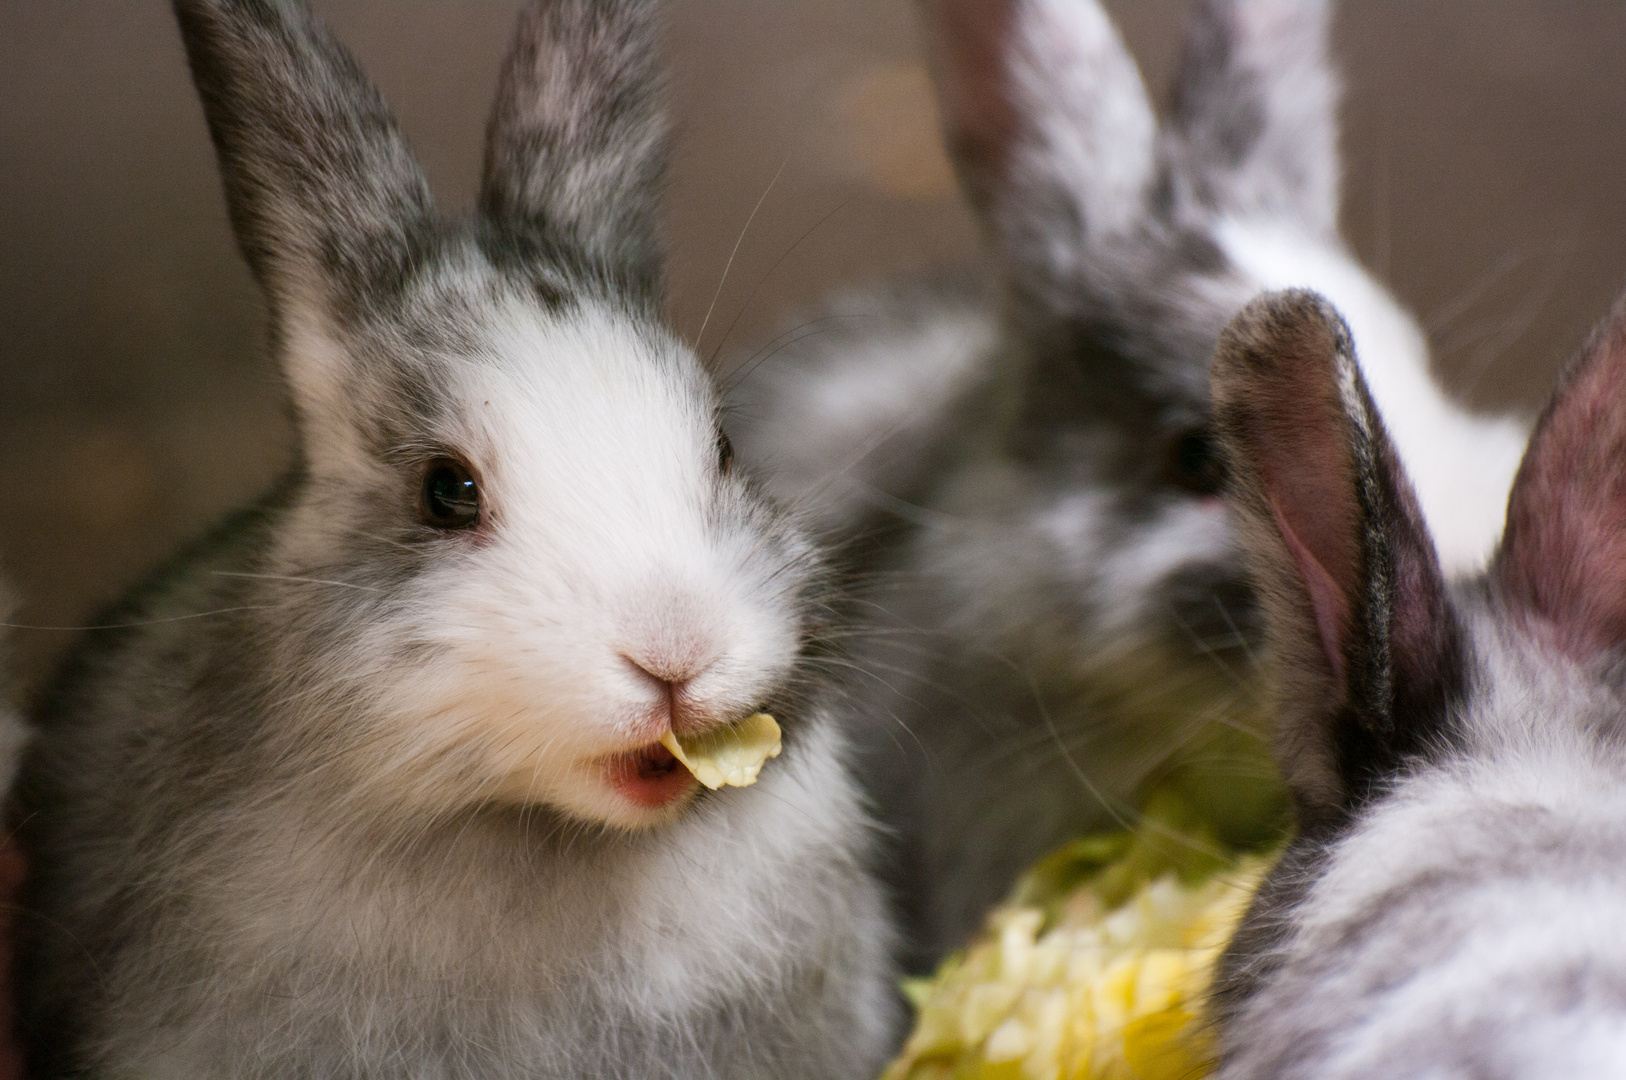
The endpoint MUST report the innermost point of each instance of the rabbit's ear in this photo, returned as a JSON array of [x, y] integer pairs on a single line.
[[325, 198], [1048, 123], [1367, 647], [576, 147], [1254, 129], [1563, 556]]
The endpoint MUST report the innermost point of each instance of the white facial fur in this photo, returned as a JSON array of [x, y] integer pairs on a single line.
[[610, 547]]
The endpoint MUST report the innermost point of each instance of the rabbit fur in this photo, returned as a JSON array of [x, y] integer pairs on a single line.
[[348, 793], [1451, 905], [1018, 462]]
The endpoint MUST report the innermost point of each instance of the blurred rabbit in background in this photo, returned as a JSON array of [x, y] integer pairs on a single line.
[[1452, 904], [1020, 465]]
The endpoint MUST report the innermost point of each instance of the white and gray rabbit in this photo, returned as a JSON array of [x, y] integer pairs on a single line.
[[368, 784], [1020, 466], [1454, 903]]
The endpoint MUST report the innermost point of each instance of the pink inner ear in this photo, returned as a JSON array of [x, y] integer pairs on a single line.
[[1327, 600], [1299, 438], [1563, 557]]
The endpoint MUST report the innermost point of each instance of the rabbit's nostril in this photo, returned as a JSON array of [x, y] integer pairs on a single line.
[[671, 674], [684, 711]]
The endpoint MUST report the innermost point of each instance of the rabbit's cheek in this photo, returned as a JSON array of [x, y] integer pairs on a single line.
[[1136, 577]]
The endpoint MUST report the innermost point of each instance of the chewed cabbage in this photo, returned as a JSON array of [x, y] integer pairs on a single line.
[[733, 755], [1097, 968]]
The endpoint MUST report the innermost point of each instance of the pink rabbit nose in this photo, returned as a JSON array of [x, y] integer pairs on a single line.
[[673, 676], [664, 671]]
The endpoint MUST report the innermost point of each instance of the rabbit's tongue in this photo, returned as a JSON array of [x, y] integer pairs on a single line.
[[650, 777]]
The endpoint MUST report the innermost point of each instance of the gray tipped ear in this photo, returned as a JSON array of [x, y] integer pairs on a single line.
[[325, 198], [1048, 123], [1254, 130], [1367, 649], [1563, 556], [576, 146]]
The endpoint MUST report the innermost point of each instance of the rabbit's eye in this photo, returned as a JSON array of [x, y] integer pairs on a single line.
[[725, 454], [449, 499], [1196, 464]]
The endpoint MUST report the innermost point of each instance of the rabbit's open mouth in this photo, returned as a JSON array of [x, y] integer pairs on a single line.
[[650, 776]]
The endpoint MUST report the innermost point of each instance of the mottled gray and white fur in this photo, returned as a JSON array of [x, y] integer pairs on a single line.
[[345, 795], [1020, 467], [1454, 903]]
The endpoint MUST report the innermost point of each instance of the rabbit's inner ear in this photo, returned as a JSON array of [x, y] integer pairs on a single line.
[[970, 42], [1563, 557], [1279, 404], [1356, 605]]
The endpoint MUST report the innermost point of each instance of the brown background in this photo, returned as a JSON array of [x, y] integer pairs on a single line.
[[1485, 164]]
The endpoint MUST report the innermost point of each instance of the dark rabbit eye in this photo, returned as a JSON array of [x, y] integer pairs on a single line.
[[1195, 463], [449, 499], [725, 454]]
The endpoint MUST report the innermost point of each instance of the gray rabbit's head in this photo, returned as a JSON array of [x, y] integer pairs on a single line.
[[1124, 245], [1026, 475], [1082, 537], [514, 551]]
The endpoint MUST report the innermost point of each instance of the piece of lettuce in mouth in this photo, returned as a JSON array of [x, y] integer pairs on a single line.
[[733, 755]]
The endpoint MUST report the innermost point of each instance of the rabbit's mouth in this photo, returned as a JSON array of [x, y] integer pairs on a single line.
[[650, 776]]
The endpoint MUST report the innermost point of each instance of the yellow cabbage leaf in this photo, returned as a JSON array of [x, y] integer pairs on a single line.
[[1098, 966], [732, 755]]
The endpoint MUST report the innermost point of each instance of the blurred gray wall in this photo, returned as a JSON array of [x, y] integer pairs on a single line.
[[1486, 180]]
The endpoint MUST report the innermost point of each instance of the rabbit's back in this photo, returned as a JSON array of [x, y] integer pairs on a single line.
[[1474, 917], [848, 414]]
